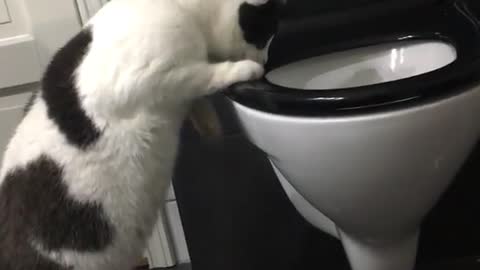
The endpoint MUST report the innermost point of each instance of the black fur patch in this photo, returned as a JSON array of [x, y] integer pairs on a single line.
[[259, 23], [34, 205], [61, 96]]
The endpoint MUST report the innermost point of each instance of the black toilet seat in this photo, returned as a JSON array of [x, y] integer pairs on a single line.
[[453, 22]]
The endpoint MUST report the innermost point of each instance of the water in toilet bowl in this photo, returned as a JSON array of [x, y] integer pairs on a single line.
[[365, 66]]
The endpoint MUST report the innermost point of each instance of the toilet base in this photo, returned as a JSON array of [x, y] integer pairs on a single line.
[[399, 254], [390, 255]]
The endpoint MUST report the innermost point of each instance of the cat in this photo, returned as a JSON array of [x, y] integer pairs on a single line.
[[84, 175]]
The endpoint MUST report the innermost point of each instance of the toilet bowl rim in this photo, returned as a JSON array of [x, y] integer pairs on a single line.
[[461, 75]]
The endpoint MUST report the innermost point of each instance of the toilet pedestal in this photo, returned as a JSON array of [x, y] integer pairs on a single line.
[[394, 254], [369, 180], [366, 140], [398, 254]]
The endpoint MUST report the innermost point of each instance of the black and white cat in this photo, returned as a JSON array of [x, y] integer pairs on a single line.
[[84, 175]]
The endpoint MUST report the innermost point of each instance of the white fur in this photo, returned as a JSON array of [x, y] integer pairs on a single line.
[[148, 60]]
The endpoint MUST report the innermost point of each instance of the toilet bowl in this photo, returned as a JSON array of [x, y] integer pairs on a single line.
[[366, 133]]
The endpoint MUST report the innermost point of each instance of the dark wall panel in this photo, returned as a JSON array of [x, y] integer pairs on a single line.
[[306, 8]]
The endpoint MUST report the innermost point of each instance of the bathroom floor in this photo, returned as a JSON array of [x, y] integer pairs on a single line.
[[458, 264], [178, 267]]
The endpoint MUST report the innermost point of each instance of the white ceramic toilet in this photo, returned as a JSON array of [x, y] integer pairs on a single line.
[[365, 138]]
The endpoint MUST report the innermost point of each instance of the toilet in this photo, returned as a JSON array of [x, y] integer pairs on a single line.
[[367, 125]]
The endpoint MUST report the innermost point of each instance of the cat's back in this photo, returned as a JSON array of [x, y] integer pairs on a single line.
[[56, 196], [130, 14]]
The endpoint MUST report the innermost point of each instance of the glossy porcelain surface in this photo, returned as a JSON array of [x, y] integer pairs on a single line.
[[366, 140], [365, 66], [374, 176]]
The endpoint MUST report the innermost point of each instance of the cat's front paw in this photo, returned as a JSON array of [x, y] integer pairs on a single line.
[[246, 70]]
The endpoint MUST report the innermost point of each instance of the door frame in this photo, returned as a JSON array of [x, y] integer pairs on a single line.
[[87, 8]]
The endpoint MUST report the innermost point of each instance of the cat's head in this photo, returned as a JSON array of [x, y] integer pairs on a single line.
[[247, 27]]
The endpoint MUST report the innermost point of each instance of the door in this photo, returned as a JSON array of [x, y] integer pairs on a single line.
[[31, 31], [18, 55], [26, 37]]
